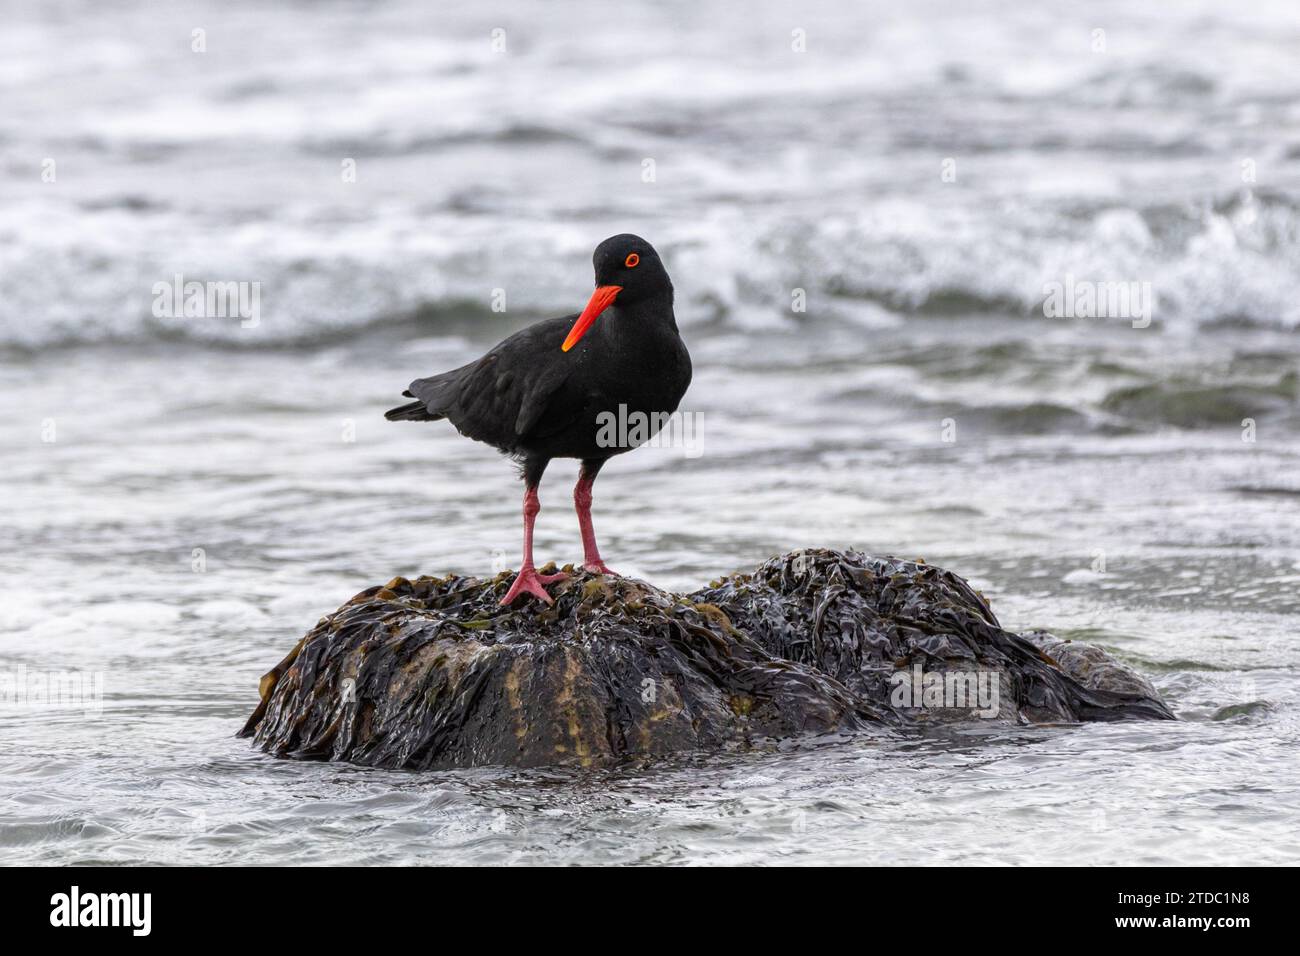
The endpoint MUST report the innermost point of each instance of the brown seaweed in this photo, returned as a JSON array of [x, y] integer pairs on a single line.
[[434, 673]]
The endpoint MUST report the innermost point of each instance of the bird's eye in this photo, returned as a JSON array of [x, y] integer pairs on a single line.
[[632, 260]]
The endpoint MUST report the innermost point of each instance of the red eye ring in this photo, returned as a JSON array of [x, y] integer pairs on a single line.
[[632, 261]]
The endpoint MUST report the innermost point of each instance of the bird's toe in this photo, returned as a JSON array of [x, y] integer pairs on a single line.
[[528, 581]]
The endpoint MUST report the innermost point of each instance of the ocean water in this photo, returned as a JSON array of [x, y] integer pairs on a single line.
[[183, 497]]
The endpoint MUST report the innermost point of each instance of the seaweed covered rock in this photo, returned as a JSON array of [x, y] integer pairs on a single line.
[[435, 673]]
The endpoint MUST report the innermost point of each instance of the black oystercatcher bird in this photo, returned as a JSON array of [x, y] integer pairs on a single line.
[[540, 394]]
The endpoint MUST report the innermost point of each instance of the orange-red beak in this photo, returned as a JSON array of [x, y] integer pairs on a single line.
[[600, 300]]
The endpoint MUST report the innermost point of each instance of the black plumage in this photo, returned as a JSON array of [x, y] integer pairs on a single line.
[[537, 395]]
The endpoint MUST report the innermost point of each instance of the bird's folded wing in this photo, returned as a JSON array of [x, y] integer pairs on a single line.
[[518, 389], [551, 405]]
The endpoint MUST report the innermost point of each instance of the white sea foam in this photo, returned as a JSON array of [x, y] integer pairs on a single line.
[[773, 169]]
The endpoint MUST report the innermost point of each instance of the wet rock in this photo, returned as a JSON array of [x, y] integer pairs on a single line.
[[434, 673]]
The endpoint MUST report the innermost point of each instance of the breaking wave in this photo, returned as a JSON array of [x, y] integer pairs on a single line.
[[945, 163], [1236, 262]]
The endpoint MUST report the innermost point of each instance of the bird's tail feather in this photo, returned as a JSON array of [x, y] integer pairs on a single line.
[[434, 396], [411, 412]]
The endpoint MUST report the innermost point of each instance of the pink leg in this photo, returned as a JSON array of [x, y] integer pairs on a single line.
[[582, 502], [528, 581]]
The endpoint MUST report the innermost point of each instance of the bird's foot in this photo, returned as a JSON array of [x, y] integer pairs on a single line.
[[598, 567], [528, 581]]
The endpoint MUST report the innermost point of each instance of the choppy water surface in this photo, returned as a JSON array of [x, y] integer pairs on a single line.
[[182, 498]]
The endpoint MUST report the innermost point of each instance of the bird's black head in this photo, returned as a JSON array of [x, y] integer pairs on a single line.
[[632, 264], [628, 270]]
